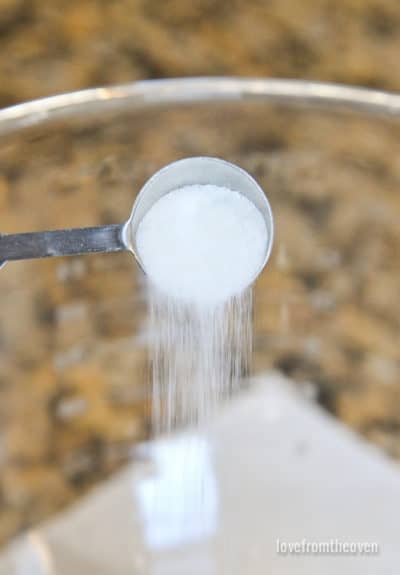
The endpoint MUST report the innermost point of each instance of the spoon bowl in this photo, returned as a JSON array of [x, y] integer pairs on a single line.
[[197, 171]]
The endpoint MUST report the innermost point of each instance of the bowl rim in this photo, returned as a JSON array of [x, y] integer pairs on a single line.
[[175, 91]]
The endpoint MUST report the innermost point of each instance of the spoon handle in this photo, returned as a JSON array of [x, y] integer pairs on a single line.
[[61, 243]]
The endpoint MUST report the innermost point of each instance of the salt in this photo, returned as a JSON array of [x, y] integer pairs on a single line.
[[201, 247], [202, 243]]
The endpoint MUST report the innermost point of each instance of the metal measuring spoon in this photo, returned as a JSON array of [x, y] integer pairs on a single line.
[[121, 237]]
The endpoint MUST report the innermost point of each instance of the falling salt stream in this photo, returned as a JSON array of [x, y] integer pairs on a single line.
[[198, 356]]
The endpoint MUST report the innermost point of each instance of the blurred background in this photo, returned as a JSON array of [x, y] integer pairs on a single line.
[[73, 369], [49, 47]]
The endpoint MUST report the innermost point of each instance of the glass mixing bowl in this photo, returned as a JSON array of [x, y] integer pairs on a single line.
[[73, 368]]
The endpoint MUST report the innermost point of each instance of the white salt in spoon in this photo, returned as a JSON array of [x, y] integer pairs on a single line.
[[122, 237]]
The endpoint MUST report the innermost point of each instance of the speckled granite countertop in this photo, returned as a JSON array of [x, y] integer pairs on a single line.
[[73, 375]]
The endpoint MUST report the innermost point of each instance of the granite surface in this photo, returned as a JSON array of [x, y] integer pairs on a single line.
[[73, 366]]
